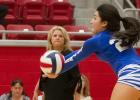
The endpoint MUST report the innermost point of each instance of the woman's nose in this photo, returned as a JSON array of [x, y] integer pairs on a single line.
[[57, 37]]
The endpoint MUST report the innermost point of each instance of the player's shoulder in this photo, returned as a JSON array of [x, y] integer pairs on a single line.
[[4, 96], [101, 37]]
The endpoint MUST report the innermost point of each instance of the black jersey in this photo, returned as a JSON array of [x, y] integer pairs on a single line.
[[62, 87]]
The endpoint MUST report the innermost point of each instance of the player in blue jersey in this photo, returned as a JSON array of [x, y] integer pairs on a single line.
[[116, 47]]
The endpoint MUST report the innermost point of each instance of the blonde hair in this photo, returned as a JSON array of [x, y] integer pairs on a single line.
[[65, 35]]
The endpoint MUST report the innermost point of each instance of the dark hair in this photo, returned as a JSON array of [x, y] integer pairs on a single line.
[[3, 13], [79, 86], [13, 83], [130, 35]]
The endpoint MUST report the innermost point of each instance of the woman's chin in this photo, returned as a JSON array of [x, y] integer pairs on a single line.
[[93, 32]]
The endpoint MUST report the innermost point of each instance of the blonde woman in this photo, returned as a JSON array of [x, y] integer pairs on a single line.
[[63, 86]]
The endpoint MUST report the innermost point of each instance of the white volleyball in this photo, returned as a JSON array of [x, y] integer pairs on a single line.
[[51, 62]]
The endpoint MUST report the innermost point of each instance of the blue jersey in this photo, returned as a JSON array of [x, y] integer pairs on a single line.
[[107, 49]]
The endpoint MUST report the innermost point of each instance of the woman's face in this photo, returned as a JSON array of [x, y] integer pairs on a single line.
[[97, 24], [17, 90], [57, 39]]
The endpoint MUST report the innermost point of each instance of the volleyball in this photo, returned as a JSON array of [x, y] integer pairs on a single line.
[[51, 62]]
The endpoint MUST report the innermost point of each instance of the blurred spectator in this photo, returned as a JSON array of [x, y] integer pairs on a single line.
[[16, 92], [3, 13], [83, 93]]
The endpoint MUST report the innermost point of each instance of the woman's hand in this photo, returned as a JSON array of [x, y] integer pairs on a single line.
[[50, 75]]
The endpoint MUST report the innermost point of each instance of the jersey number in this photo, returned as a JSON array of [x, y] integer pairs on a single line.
[[117, 45]]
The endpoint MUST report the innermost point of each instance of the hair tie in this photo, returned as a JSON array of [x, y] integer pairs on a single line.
[[122, 19]]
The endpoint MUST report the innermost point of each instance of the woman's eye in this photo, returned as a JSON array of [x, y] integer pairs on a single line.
[[54, 35], [94, 17]]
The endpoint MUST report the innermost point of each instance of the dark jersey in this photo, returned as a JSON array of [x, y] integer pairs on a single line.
[[62, 87]]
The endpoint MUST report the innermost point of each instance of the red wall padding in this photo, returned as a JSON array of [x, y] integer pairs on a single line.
[[23, 63]]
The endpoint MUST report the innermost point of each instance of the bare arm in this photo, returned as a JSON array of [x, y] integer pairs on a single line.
[[76, 96], [36, 91]]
